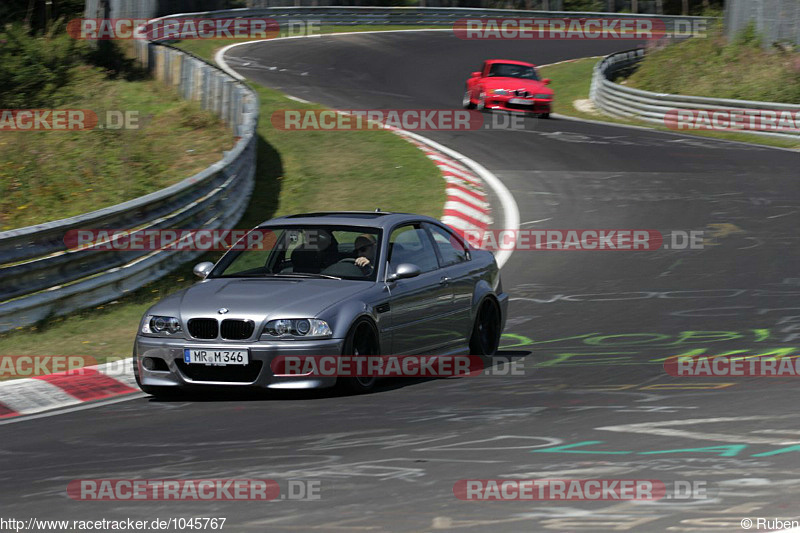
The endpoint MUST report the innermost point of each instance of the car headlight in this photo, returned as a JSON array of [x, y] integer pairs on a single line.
[[500, 92], [156, 324], [543, 96], [298, 327]]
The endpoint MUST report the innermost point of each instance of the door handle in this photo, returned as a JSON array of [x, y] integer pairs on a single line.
[[445, 280]]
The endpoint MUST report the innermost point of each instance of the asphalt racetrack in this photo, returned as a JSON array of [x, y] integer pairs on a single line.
[[591, 329]]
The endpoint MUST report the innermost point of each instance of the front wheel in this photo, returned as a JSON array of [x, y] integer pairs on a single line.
[[362, 340], [544, 115], [467, 101], [482, 102], [486, 332]]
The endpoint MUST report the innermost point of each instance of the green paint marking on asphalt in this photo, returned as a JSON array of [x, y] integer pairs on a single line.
[[566, 448]]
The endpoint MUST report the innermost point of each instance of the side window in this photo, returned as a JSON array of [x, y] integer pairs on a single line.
[[410, 244], [451, 249]]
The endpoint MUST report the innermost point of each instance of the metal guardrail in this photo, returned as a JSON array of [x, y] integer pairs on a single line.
[[40, 277], [628, 102]]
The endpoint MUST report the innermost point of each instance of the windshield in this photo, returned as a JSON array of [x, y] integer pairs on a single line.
[[509, 70], [298, 251]]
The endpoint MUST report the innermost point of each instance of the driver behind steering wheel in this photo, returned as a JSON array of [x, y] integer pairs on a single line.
[[365, 252]]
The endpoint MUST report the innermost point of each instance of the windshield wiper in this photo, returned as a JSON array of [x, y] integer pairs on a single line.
[[248, 275], [305, 275], [284, 275]]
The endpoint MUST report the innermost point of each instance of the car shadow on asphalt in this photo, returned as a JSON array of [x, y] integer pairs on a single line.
[[497, 365]]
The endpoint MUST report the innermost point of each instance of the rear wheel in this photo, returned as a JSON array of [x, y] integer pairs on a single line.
[[467, 101], [486, 332], [362, 340]]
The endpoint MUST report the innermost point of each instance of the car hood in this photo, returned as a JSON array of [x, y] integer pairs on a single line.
[[512, 84], [261, 298]]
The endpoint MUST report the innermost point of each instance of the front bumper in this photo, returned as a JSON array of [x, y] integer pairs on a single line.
[[257, 374], [531, 105]]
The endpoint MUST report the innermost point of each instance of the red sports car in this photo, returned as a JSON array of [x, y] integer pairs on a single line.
[[508, 86]]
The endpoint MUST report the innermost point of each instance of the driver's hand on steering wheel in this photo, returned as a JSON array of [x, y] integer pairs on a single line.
[[362, 261]]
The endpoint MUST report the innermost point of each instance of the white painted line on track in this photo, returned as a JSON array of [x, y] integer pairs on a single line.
[[535, 221], [296, 99]]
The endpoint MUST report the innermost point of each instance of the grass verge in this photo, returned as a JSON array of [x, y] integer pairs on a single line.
[[716, 67], [571, 82], [297, 171], [49, 175]]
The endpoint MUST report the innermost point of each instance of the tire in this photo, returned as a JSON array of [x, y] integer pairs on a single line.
[[467, 101], [544, 115], [362, 339], [485, 337]]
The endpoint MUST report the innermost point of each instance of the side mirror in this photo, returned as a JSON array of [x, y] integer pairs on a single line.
[[546, 81], [476, 75], [202, 270], [404, 271]]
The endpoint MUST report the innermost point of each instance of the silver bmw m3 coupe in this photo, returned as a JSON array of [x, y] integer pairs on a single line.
[[346, 283]]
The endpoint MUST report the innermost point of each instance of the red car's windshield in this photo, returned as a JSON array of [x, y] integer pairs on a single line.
[[509, 70]]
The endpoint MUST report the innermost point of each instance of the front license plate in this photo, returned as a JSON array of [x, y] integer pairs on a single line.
[[520, 101], [215, 356]]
